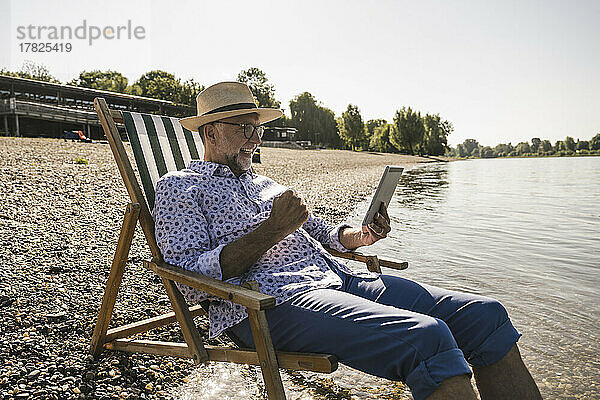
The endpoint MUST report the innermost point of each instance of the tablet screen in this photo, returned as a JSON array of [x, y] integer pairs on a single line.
[[384, 192]]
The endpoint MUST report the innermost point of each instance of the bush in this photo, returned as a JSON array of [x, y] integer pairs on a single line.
[[80, 160]]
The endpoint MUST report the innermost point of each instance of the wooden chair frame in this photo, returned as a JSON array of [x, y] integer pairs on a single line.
[[256, 303]]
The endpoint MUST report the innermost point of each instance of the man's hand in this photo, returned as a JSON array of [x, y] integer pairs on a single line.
[[378, 229], [352, 238], [288, 213]]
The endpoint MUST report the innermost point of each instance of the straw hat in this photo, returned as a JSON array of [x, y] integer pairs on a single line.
[[224, 100]]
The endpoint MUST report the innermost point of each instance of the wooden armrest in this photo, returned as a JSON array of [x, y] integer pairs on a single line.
[[393, 264], [373, 262], [237, 294]]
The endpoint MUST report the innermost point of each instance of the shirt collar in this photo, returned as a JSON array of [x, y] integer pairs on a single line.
[[216, 169]]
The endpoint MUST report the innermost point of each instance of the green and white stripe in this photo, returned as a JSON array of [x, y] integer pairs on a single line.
[[160, 145]]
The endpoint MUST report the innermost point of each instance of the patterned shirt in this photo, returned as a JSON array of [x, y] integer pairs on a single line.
[[201, 209]]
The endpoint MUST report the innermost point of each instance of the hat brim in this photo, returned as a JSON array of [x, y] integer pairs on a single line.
[[264, 115]]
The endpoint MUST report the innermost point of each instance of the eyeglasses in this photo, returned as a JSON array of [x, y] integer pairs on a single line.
[[248, 129]]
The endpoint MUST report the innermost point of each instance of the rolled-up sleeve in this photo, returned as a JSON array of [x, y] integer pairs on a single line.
[[181, 230], [323, 232]]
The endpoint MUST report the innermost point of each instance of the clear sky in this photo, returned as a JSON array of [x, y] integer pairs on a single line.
[[500, 71]]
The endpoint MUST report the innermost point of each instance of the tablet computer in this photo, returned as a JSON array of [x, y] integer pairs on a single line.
[[384, 192]]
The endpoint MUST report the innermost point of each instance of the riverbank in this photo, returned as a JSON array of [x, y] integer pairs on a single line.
[[592, 153], [60, 222]]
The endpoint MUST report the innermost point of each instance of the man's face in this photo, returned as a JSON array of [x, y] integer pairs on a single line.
[[232, 147]]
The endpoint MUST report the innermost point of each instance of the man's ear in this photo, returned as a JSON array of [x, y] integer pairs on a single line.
[[209, 133]]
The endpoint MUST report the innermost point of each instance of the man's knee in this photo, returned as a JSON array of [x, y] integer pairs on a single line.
[[490, 334], [490, 312], [434, 336], [439, 358]]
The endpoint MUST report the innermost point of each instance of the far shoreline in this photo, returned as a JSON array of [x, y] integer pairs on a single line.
[[524, 156]]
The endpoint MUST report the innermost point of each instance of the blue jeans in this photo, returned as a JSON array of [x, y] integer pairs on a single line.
[[393, 328]]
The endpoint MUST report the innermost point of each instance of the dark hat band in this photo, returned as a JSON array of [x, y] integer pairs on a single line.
[[231, 107]]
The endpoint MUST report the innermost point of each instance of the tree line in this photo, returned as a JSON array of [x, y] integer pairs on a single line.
[[471, 148], [409, 132]]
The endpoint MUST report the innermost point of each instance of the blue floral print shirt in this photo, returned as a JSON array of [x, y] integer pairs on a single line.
[[201, 209]]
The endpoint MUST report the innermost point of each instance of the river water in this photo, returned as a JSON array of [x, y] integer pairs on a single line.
[[524, 231]]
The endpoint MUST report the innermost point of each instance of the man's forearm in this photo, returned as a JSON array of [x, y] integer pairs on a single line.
[[238, 256]]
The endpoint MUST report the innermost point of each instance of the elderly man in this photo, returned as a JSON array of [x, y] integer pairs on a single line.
[[220, 219]]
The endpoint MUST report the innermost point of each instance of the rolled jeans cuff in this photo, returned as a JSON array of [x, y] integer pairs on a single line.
[[430, 373], [496, 346]]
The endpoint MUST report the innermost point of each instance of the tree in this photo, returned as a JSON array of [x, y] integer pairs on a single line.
[[257, 81], [188, 92], [570, 143], [380, 141], [583, 145], [165, 86], [305, 111], [487, 152], [328, 127], [112, 81], [535, 145], [160, 85], [523, 148], [546, 145], [559, 146], [409, 130], [373, 124], [31, 70], [595, 142], [461, 150], [503, 150], [470, 145], [134, 90], [313, 121], [435, 140], [352, 127]]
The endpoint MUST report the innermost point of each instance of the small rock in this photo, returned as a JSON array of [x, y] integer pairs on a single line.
[[57, 316], [55, 269], [5, 301], [34, 374]]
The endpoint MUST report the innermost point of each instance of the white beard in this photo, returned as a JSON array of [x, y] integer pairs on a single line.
[[232, 155], [244, 163]]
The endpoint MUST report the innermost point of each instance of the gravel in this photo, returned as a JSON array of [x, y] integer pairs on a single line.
[[59, 222]]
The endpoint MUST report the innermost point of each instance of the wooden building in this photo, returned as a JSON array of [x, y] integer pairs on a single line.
[[280, 134], [35, 108]]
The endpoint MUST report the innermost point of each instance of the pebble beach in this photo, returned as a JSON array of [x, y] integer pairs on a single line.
[[61, 208]]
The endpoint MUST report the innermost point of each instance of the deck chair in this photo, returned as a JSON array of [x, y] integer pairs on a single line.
[[160, 144]]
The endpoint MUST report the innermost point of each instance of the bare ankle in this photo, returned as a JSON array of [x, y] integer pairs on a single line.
[[457, 387]]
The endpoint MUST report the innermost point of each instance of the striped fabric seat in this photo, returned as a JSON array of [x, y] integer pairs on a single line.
[[160, 145]]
